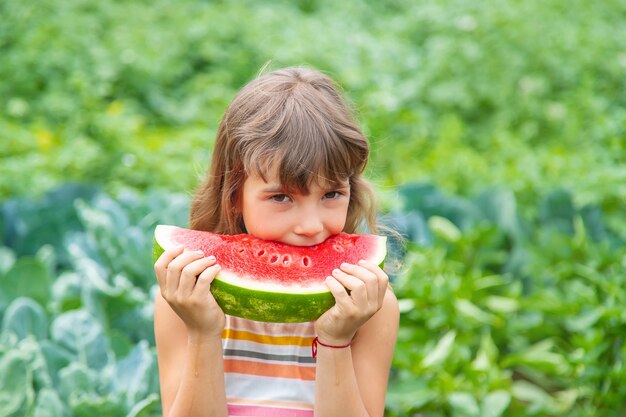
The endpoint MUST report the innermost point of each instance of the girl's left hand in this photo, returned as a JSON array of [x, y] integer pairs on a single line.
[[367, 283]]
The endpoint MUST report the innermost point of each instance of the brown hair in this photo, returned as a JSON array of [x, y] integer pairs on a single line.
[[297, 120]]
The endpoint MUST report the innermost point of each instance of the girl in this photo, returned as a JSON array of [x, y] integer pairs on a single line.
[[286, 166]]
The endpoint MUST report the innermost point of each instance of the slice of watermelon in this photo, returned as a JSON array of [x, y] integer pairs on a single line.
[[270, 281]]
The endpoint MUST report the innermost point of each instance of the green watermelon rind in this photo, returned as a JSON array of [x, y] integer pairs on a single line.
[[270, 306], [265, 306]]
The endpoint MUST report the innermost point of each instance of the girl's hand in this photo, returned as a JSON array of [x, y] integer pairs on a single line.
[[185, 281], [367, 283]]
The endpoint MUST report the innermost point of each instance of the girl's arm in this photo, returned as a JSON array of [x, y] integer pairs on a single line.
[[187, 327], [352, 381]]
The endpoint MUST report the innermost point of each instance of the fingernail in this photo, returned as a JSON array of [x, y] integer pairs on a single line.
[[345, 265], [211, 258], [361, 262], [336, 271]]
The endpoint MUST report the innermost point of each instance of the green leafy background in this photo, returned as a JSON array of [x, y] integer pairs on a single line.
[[498, 134]]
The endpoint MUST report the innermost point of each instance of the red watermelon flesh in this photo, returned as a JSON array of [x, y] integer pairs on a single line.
[[272, 281]]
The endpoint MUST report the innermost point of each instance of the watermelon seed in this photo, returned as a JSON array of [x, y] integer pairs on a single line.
[[261, 252], [273, 259], [306, 261], [241, 250], [286, 260], [338, 248]]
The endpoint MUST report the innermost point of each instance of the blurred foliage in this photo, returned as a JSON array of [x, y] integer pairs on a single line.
[[498, 134], [528, 94], [508, 315], [76, 303]]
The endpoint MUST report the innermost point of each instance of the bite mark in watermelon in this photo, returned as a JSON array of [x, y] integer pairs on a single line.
[[271, 281]]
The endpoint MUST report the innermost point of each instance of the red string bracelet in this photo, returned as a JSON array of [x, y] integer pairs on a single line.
[[316, 341]]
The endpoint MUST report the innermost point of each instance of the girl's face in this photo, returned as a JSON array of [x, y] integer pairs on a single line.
[[270, 213]]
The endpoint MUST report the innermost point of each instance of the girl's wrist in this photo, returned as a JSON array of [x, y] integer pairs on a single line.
[[317, 343], [334, 340]]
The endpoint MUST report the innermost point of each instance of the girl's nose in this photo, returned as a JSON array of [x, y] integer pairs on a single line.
[[309, 225]]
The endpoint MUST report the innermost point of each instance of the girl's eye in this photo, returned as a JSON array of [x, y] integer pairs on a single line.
[[280, 198], [332, 195]]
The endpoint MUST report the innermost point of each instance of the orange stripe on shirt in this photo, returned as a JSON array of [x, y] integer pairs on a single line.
[[284, 404], [266, 339], [306, 373]]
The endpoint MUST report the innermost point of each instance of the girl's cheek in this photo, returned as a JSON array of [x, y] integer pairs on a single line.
[[268, 229]]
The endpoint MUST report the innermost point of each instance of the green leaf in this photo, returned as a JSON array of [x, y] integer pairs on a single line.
[[7, 259], [47, 256], [441, 351], [16, 391], [77, 379], [67, 292], [556, 211], [469, 310], [500, 207], [56, 358], [118, 305], [444, 228], [49, 404], [463, 404], [33, 353], [28, 277], [487, 354], [406, 304], [121, 345], [495, 403], [148, 407], [584, 320], [540, 357], [404, 395], [135, 372], [537, 398], [25, 317], [79, 333], [502, 305], [89, 405], [593, 221]]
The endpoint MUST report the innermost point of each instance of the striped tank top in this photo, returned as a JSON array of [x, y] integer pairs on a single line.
[[268, 368]]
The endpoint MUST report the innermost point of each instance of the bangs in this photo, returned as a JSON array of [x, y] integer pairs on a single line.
[[306, 144]]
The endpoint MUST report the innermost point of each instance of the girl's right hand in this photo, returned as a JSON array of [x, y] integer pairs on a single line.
[[185, 281]]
